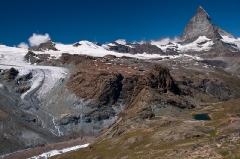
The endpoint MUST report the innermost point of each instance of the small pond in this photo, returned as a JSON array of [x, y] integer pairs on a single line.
[[201, 117]]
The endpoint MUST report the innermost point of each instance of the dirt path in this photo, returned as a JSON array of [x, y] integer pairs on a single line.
[[56, 146]]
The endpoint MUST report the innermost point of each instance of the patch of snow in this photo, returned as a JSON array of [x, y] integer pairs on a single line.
[[23, 71], [166, 43], [200, 44], [52, 153], [1, 86], [111, 44], [52, 77], [121, 41], [106, 46], [130, 46], [231, 40]]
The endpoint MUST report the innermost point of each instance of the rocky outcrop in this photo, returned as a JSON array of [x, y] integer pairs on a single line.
[[41, 59], [32, 58], [146, 48], [217, 63], [102, 87], [135, 48], [154, 94], [216, 88], [10, 74], [75, 59], [119, 47], [18, 84], [49, 45], [160, 79]]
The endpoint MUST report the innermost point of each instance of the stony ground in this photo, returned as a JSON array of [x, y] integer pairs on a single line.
[[148, 130], [175, 136], [55, 146], [160, 97]]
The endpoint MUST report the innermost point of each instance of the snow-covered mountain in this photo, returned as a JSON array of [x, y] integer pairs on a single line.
[[199, 35], [38, 88]]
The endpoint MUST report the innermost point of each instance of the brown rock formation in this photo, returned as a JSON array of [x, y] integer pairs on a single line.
[[49, 45], [10, 74], [102, 87], [160, 79], [152, 92]]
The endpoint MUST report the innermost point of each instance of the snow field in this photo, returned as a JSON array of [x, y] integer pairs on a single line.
[[52, 153]]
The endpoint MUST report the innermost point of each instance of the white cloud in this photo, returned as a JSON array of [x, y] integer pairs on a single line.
[[23, 45], [37, 39], [166, 41], [141, 42]]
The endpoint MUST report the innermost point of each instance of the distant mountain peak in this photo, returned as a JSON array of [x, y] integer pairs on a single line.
[[198, 25], [200, 10]]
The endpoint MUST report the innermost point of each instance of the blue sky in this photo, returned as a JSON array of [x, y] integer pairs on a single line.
[[69, 21]]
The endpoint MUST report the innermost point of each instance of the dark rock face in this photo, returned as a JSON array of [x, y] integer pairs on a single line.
[[147, 48], [18, 84], [160, 79], [49, 45], [68, 58], [119, 48], [102, 87], [153, 94], [43, 59], [136, 48], [15, 124], [76, 44], [217, 63], [32, 58], [110, 56], [216, 88], [10, 74], [161, 88]]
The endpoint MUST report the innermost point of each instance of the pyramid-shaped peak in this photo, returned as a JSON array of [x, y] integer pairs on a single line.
[[200, 10], [198, 25]]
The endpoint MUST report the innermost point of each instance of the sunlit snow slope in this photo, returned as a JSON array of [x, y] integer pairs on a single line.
[[45, 75], [92, 49]]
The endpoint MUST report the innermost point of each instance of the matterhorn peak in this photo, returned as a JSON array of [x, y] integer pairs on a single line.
[[198, 25], [201, 11]]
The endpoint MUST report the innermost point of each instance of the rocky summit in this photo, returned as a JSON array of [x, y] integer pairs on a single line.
[[199, 25], [127, 100]]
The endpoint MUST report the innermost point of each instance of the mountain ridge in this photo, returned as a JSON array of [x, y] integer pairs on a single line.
[[120, 88]]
